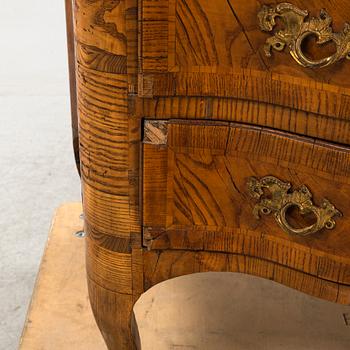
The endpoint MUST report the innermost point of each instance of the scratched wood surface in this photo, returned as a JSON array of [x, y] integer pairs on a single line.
[[200, 60]]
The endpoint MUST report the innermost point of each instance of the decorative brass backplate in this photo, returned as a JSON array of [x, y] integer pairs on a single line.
[[281, 199], [297, 27]]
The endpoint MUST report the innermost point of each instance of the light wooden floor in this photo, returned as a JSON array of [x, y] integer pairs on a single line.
[[202, 312], [60, 317]]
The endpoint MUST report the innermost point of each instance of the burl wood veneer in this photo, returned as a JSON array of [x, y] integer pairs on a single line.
[[199, 152]]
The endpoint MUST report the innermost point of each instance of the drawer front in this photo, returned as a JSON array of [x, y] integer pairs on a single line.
[[200, 186], [218, 48]]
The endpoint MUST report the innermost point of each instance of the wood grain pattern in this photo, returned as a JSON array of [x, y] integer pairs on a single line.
[[206, 48], [200, 61], [250, 112], [295, 93], [106, 46], [196, 195], [163, 265]]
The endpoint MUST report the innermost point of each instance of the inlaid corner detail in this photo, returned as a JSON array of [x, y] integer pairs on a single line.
[[155, 132]]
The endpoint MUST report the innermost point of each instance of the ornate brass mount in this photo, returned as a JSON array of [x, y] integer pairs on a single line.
[[297, 27], [282, 199]]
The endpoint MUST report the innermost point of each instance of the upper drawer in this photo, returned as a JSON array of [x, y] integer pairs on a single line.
[[217, 48]]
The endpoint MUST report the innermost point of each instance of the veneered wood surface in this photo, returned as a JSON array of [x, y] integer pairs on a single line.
[[195, 195], [106, 53], [165, 264], [215, 48], [134, 62], [251, 112], [208, 36]]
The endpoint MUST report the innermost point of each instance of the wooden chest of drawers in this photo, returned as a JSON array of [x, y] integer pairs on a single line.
[[213, 136]]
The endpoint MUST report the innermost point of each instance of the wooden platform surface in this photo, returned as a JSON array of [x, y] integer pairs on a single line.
[[60, 316]]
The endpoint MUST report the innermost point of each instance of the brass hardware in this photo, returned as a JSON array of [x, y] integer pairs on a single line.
[[282, 199], [297, 27]]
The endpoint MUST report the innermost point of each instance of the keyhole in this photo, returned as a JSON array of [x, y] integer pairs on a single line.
[[314, 51], [299, 220]]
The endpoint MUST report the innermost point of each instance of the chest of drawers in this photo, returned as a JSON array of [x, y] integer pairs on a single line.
[[213, 136]]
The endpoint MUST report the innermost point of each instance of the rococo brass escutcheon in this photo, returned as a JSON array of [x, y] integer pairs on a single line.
[[297, 26], [281, 199]]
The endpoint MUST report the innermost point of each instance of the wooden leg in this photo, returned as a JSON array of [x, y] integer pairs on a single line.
[[114, 315], [114, 282]]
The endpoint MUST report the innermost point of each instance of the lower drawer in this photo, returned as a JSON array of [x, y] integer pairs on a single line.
[[250, 191]]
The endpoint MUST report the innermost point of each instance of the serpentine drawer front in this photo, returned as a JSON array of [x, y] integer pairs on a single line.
[[261, 53], [233, 188]]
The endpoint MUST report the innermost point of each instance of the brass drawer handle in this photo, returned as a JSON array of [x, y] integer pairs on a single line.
[[297, 27], [281, 199]]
